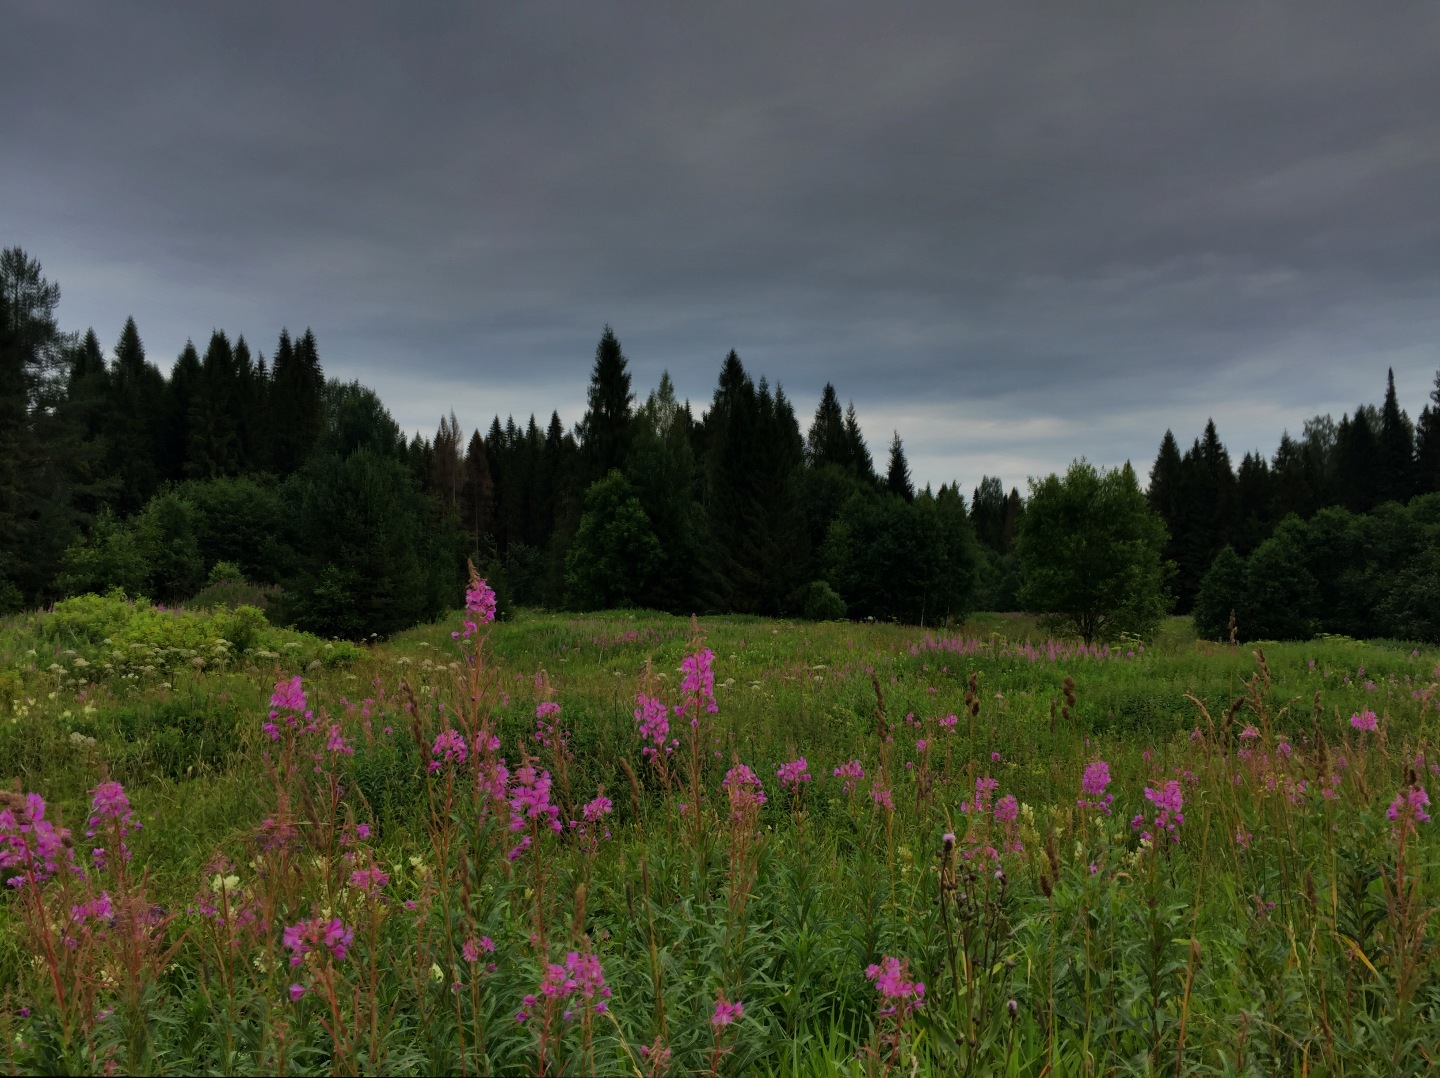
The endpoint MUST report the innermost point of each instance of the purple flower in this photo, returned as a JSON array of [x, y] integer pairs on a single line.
[[1168, 799], [530, 799], [1410, 804], [745, 792], [449, 746], [725, 1013], [318, 934], [1092, 787], [791, 775], [337, 744], [900, 995], [296, 991], [698, 684], [1364, 721], [30, 842], [368, 880], [852, 773], [1007, 809], [653, 720]]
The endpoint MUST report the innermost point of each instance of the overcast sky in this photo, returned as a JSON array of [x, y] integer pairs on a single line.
[[1017, 233]]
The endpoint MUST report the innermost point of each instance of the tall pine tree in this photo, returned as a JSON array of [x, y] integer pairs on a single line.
[[606, 426]]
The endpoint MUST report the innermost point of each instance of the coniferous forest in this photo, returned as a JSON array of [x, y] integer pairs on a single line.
[[242, 476]]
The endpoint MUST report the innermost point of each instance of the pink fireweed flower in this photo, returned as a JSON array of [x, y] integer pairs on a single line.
[[1007, 809], [288, 696], [1249, 734], [791, 775], [698, 684], [1168, 800], [530, 800], [900, 995], [852, 773], [652, 718], [449, 746], [109, 803], [882, 798], [1410, 804], [587, 979], [948, 722], [32, 843], [479, 609], [368, 880], [296, 992], [318, 934], [984, 787], [337, 743], [725, 1013], [1364, 720], [472, 949], [1092, 787], [745, 792], [271, 731]]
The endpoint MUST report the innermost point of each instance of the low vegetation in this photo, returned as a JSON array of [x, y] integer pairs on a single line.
[[627, 843]]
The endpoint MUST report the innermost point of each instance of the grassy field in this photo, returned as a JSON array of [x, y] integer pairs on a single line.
[[425, 867]]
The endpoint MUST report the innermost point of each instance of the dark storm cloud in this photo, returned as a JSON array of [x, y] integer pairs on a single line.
[[1015, 233]]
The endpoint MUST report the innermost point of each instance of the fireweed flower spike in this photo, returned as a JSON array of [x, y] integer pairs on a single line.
[[698, 684], [318, 934], [1364, 720], [791, 775], [1092, 787], [900, 995], [30, 842], [479, 608], [1168, 800], [726, 1013], [1410, 804]]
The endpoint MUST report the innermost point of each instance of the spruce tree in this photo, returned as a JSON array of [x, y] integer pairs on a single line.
[[1427, 444], [1356, 462], [1255, 496], [1395, 449], [826, 442], [897, 473], [606, 425], [860, 460], [134, 423], [477, 499], [213, 437], [183, 389]]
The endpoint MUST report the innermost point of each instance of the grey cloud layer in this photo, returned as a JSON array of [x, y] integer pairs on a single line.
[[1103, 221]]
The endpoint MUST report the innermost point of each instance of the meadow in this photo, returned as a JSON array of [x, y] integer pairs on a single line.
[[639, 844]]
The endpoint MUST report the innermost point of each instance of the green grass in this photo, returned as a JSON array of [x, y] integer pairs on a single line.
[[1338, 976]]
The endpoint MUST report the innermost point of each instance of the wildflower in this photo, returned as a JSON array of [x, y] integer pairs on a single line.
[[530, 799], [725, 1013], [1410, 804], [1249, 734], [852, 773], [337, 744], [1092, 787], [317, 934], [791, 775], [1364, 721], [882, 798], [949, 721], [30, 842], [900, 995], [984, 787], [745, 792], [472, 948], [449, 745], [296, 991], [698, 684], [1007, 809], [653, 720], [368, 880], [1169, 801], [479, 608]]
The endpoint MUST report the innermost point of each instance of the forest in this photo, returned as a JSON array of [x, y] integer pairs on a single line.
[[239, 477]]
